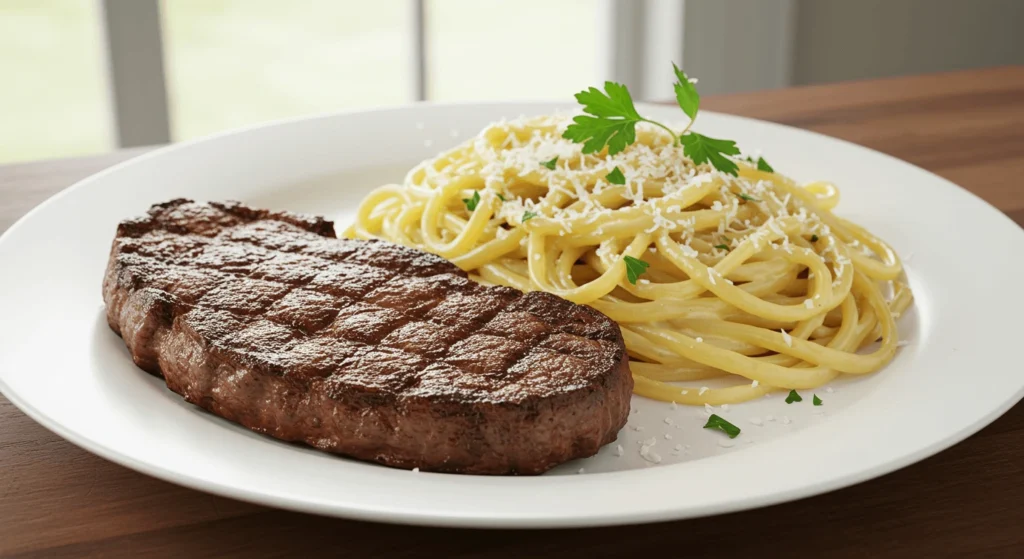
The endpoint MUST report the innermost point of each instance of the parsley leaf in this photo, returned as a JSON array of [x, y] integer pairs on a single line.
[[816, 400], [528, 215], [613, 122], [550, 164], [612, 117], [716, 422], [723, 247], [471, 203], [702, 149], [502, 198], [634, 268], [814, 238], [686, 93], [747, 197], [616, 177], [793, 397]]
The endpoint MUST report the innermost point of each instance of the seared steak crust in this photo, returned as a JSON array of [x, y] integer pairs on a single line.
[[366, 349]]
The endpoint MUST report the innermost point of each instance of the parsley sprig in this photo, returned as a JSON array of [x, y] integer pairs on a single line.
[[612, 117]]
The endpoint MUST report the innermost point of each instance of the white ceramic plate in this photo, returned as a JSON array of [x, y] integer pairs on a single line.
[[61, 364]]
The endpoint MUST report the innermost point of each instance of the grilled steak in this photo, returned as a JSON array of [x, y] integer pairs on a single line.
[[361, 348]]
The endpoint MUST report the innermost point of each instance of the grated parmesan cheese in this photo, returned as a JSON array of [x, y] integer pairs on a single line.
[[647, 451]]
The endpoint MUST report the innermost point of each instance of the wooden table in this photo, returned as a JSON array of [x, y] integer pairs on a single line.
[[58, 500]]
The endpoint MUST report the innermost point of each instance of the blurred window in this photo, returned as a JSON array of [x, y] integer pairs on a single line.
[[231, 63], [236, 62], [53, 96], [510, 49]]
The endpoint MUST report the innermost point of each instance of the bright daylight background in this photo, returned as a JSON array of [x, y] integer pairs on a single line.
[[231, 63], [234, 62]]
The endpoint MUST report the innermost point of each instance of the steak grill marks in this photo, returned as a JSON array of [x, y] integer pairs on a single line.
[[358, 323]]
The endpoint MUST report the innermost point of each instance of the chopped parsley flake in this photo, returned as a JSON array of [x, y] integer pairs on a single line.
[[634, 268], [502, 198], [763, 165], [551, 164], [793, 397], [616, 177], [716, 422], [528, 215], [748, 198], [816, 400], [723, 247], [472, 202], [814, 238]]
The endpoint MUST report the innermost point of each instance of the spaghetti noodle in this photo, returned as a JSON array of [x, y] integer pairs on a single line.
[[751, 278]]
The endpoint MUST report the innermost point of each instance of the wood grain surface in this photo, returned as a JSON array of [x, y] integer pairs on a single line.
[[59, 501]]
